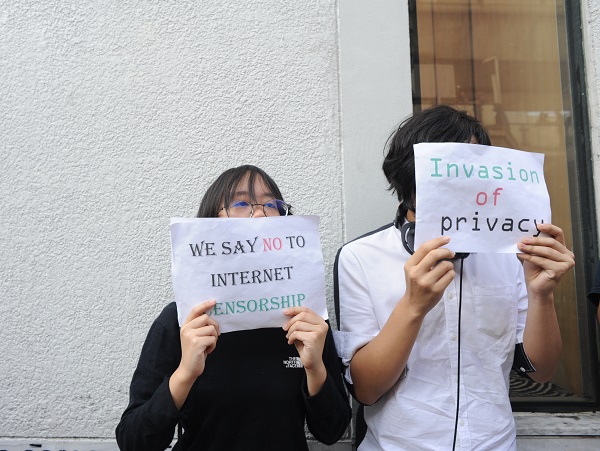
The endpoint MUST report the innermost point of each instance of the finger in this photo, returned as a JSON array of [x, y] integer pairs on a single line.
[[428, 246], [200, 309], [425, 275], [307, 316], [306, 327], [205, 343], [202, 321], [203, 331], [547, 263], [434, 258], [302, 314], [211, 347], [291, 311], [192, 337], [213, 322], [546, 247], [553, 231], [424, 262], [556, 245], [544, 241], [301, 336], [442, 283]]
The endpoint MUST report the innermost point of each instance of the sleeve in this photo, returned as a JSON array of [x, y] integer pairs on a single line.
[[328, 412], [150, 420], [521, 363], [356, 318], [522, 301]]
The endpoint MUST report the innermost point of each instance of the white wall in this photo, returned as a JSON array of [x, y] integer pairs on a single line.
[[116, 116]]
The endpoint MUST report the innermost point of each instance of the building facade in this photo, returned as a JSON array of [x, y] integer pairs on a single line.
[[117, 116]]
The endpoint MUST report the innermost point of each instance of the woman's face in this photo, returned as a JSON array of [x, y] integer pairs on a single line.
[[262, 196]]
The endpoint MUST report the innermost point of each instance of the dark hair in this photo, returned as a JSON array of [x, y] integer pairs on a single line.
[[223, 189], [441, 123]]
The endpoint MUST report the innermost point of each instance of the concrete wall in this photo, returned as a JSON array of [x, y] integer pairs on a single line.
[[114, 117]]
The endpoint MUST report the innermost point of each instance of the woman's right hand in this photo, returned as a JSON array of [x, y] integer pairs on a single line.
[[199, 335]]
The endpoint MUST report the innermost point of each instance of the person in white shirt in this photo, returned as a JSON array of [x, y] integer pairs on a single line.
[[429, 341]]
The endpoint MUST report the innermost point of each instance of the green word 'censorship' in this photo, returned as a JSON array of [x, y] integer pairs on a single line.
[[260, 305]]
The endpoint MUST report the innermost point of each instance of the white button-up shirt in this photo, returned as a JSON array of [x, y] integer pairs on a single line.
[[419, 411]]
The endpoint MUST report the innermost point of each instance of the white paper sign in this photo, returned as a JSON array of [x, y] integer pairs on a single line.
[[485, 198], [253, 268]]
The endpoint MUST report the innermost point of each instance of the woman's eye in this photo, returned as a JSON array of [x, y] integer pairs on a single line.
[[239, 204]]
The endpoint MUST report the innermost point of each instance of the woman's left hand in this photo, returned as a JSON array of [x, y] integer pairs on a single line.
[[545, 260], [307, 331]]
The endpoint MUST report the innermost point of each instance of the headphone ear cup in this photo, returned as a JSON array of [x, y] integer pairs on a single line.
[[408, 236]]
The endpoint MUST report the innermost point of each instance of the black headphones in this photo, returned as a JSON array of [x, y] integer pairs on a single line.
[[407, 232]]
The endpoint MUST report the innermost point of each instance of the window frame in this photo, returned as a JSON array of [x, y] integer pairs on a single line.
[[582, 198]]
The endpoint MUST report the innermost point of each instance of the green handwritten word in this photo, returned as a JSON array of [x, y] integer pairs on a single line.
[[260, 305], [253, 276], [483, 172]]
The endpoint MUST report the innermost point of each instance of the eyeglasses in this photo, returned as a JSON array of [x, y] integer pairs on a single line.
[[243, 209]]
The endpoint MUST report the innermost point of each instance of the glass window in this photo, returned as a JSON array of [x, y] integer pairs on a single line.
[[507, 63]]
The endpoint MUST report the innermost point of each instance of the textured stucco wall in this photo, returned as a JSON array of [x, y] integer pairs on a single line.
[[114, 117], [590, 13]]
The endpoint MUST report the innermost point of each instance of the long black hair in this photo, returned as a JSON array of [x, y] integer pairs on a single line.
[[223, 189], [441, 123]]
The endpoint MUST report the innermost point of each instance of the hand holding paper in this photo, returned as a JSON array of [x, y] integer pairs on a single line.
[[428, 274], [545, 260], [307, 331], [199, 335]]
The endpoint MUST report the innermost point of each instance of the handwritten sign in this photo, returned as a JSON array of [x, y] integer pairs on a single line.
[[485, 198], [253, 268]]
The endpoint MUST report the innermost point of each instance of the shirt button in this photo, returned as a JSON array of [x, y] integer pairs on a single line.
[[453, 337], [462, 422], [450, 296]]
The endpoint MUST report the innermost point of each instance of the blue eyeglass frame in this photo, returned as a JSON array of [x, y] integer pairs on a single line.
[[252, 205]]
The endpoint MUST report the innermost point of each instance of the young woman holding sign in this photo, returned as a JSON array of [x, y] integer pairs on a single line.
[[241, 390]]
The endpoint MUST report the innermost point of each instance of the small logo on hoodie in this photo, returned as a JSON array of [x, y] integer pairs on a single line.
[[293, 362]]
